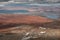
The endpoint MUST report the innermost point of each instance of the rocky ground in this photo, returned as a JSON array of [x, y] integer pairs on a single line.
[[24, 27]]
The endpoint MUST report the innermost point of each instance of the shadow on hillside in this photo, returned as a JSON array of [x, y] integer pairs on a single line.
[[53, 25]]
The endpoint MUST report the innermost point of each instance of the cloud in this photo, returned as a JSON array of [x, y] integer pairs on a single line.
[[3, 0]]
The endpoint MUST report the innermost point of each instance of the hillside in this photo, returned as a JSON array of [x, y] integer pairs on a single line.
[[25, 27]]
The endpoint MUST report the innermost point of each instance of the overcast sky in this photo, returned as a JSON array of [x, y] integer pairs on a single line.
[[35, 1], [3, 0]]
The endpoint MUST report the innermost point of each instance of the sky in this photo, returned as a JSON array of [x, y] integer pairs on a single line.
[[36, 1]]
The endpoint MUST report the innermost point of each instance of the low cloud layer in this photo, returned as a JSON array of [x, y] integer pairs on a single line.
[[35, 1]]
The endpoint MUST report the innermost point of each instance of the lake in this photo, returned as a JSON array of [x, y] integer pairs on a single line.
[[13, 11]]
